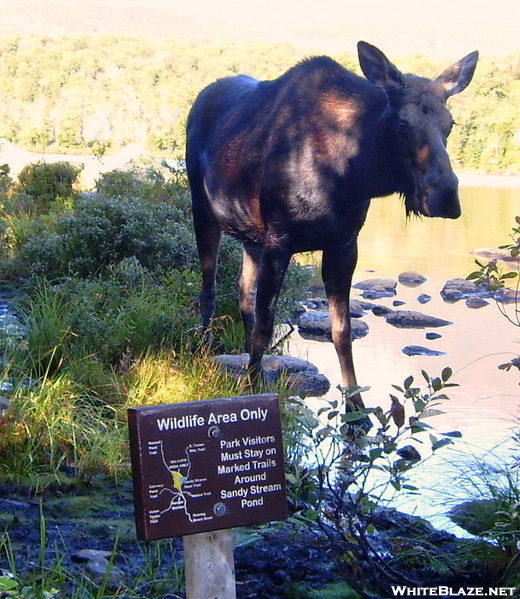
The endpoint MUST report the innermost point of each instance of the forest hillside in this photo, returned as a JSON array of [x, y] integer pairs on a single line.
[[92, 76]]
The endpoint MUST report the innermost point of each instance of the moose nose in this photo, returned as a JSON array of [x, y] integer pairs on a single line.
[[443, 195], [444, 203]]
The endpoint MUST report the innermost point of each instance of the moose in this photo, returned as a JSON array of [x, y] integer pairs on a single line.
[[290, 165]]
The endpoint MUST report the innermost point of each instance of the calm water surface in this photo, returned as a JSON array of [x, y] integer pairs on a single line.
[[485, 405]]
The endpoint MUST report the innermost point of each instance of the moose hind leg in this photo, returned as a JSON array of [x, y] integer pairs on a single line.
[[247, 288]]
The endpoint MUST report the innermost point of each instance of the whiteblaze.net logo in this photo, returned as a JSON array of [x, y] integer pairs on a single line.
[[445, 591]]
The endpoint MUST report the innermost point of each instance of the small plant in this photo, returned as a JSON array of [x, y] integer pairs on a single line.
[[495, 278], [492, 511], [349, 476]]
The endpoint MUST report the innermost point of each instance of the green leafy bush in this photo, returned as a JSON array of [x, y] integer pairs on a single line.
[[341, 479], [99, 232], [45, 183], [117, 272]]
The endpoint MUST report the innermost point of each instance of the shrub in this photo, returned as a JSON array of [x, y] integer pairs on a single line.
[[100, 232], [46, 183], [5, 178], [137, 256], [341, 479]]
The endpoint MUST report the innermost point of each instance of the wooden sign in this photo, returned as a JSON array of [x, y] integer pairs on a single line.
[[207, 465]]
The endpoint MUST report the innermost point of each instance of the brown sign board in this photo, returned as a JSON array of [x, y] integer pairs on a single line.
[[207, 465]]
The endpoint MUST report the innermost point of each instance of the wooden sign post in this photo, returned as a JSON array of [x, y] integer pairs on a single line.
[[209, 565], [207, 466]]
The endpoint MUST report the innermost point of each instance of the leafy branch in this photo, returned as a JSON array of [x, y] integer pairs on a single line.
[[353, 474], [495, 279]]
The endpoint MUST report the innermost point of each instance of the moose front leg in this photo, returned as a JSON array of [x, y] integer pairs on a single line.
[[273, 264], [247, 282], [337, 271], [208, 236]]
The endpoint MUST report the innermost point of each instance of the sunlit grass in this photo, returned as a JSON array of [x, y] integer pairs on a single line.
[[58, 425], [166, 378]]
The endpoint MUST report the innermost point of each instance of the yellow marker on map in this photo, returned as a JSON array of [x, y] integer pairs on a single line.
[[178, 479]]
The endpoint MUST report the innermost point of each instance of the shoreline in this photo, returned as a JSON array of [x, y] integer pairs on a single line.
[[486, 180], [17, 158]]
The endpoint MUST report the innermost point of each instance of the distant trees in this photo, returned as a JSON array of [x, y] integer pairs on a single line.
[[488, 132], [79, 94]]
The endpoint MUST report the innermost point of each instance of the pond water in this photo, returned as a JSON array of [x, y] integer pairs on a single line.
[[485, 405]]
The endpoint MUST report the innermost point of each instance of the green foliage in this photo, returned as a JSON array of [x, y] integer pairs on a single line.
[[108, 319], [46, 183], [347, 476], [89, 93], [117, 271], [495, 278], [95, 92], [5, 178], [490, 273], [493, 511], [98, 232]]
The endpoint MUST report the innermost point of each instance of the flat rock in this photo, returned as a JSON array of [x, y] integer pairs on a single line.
[[457, 289], [408, 319], [476, 516], [495, 254], [85, 555], [315, 303], [476, 302], [507, 296], [381, 310], [410, 278], [301, 376], [419, 350], [358, 308], [376, 288], [316, 326], [101, 571]]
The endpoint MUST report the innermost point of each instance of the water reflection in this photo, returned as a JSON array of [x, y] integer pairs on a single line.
[[486, 404]]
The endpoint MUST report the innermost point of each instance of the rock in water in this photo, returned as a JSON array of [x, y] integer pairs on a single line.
[[316, 326], [410, 278], [419, 350], [457, 289], [301, 376], [376, 288], [408, 319]]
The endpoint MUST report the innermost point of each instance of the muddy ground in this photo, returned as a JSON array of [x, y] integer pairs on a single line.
[[271, 562]]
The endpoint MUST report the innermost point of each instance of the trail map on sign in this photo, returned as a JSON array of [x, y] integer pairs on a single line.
[[180, 491]]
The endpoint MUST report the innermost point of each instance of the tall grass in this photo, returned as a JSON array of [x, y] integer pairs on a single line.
[[58, 427], [492, 511]]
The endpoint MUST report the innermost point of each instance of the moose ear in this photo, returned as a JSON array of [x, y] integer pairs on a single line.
[[457, 77], [377, 68]]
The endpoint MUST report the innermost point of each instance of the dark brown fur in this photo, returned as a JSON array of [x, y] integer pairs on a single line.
[[291, 165]]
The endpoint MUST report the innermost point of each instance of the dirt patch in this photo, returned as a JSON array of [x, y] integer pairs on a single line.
[[271, 561]]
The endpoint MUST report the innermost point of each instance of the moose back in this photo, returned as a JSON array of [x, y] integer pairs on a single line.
[[291, 165]]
